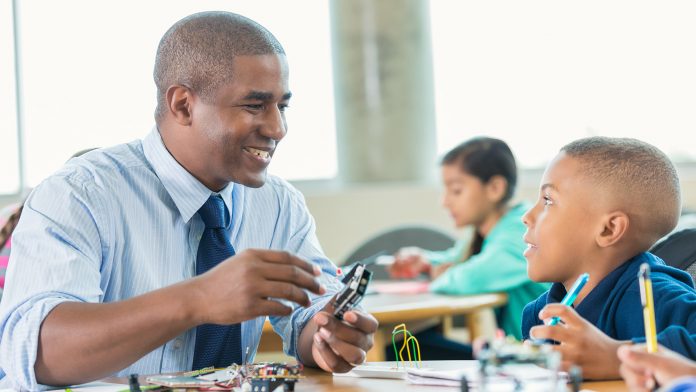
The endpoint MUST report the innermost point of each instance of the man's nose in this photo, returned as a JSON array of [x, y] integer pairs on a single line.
[[275, 126]]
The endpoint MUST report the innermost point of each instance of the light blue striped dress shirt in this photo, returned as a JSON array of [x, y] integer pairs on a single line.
[[120, 222]]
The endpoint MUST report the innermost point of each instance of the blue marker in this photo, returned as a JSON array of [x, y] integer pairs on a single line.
[[572, 294]]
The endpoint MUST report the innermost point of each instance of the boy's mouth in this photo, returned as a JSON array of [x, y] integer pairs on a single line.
[[528, 242], [530, 247]]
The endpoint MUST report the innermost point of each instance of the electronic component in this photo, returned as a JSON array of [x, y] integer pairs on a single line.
[[356, 282], [266, 377]]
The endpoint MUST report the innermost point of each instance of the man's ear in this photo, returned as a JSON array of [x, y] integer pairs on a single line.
[[179, 104], [496, 187], [614, 227]]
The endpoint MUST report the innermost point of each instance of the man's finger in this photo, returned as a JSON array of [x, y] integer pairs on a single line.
[[333, 361], [284, 291], [282, 257], [294, 275], [345, 332], [272, 308], [349, 352], [365, 322]]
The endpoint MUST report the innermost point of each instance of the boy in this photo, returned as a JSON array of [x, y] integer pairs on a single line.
[[603, 203]]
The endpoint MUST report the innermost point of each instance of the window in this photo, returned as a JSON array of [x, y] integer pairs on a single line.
[[9, 157], [87, 77], [541, 74]]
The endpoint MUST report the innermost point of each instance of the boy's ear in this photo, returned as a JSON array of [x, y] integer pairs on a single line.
[[496, 188], [179, 103], [614, 228]]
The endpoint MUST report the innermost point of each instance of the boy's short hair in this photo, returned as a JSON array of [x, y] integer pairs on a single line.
[[639, 176]]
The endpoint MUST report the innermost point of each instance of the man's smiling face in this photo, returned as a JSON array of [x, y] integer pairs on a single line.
[[236, 131]]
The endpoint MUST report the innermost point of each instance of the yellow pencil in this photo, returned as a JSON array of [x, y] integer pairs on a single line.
[[646, 299]]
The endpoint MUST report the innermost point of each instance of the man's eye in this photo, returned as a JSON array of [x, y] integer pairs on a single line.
[[283, 107], [254, 107]]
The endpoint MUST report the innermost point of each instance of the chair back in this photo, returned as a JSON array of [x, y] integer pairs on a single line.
[[391, 240], [678, 250]]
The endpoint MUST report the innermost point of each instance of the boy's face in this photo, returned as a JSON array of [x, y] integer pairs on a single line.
[[560, 226]]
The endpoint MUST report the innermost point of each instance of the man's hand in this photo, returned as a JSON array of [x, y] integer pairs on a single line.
[[640, 368], [581, 343], [241, 287], [338, 346], [409, 263]]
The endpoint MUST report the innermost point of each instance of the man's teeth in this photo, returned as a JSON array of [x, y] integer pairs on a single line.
[[259, 153]]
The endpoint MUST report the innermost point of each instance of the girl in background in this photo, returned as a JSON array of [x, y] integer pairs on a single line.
[[480, 176]]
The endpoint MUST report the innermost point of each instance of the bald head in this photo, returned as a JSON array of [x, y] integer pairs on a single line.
[[638, 176], [197, 52]]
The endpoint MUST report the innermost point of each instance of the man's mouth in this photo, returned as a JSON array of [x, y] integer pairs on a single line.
[[259, 153]]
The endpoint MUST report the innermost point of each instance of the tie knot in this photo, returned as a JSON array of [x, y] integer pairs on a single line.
[[214, 213]]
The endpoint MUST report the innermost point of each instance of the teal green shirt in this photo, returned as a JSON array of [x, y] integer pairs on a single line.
[[499, 267]]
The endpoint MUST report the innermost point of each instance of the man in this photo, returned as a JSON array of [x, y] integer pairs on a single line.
[[154, 256]]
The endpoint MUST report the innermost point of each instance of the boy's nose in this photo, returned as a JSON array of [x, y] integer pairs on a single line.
[[527, 217]]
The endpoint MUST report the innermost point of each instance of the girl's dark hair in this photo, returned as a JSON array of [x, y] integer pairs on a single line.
[[484, 158]]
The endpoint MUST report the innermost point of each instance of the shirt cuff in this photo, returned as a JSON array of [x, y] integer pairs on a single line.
[[20, 339]]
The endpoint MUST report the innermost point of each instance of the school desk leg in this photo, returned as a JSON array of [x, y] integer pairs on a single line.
[[481, 323]]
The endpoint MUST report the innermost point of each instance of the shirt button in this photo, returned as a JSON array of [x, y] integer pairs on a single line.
[[177, 344]]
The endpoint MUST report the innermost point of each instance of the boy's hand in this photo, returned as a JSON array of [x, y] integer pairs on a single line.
[[640, 368], [581, 343]]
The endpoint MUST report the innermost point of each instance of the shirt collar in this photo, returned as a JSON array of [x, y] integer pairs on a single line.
[[186, 191], [594, 302]]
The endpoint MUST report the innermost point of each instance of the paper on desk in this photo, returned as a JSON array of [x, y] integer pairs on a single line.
[[376, 370], [397, 287], [533, 377]]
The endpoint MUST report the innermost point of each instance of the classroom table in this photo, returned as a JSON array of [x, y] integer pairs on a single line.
[[394, 309], [319, 381]]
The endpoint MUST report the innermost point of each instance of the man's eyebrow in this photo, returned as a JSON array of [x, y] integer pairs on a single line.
[[264, 96]]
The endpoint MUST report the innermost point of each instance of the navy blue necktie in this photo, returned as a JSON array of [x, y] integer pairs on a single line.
[[216, 345]]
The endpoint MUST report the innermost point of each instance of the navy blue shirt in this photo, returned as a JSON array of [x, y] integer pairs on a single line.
[[614, 305]]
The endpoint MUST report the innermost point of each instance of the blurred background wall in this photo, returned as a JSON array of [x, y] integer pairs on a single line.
[[381, 89]]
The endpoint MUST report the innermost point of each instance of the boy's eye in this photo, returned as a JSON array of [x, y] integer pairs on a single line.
[[547, 201]]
